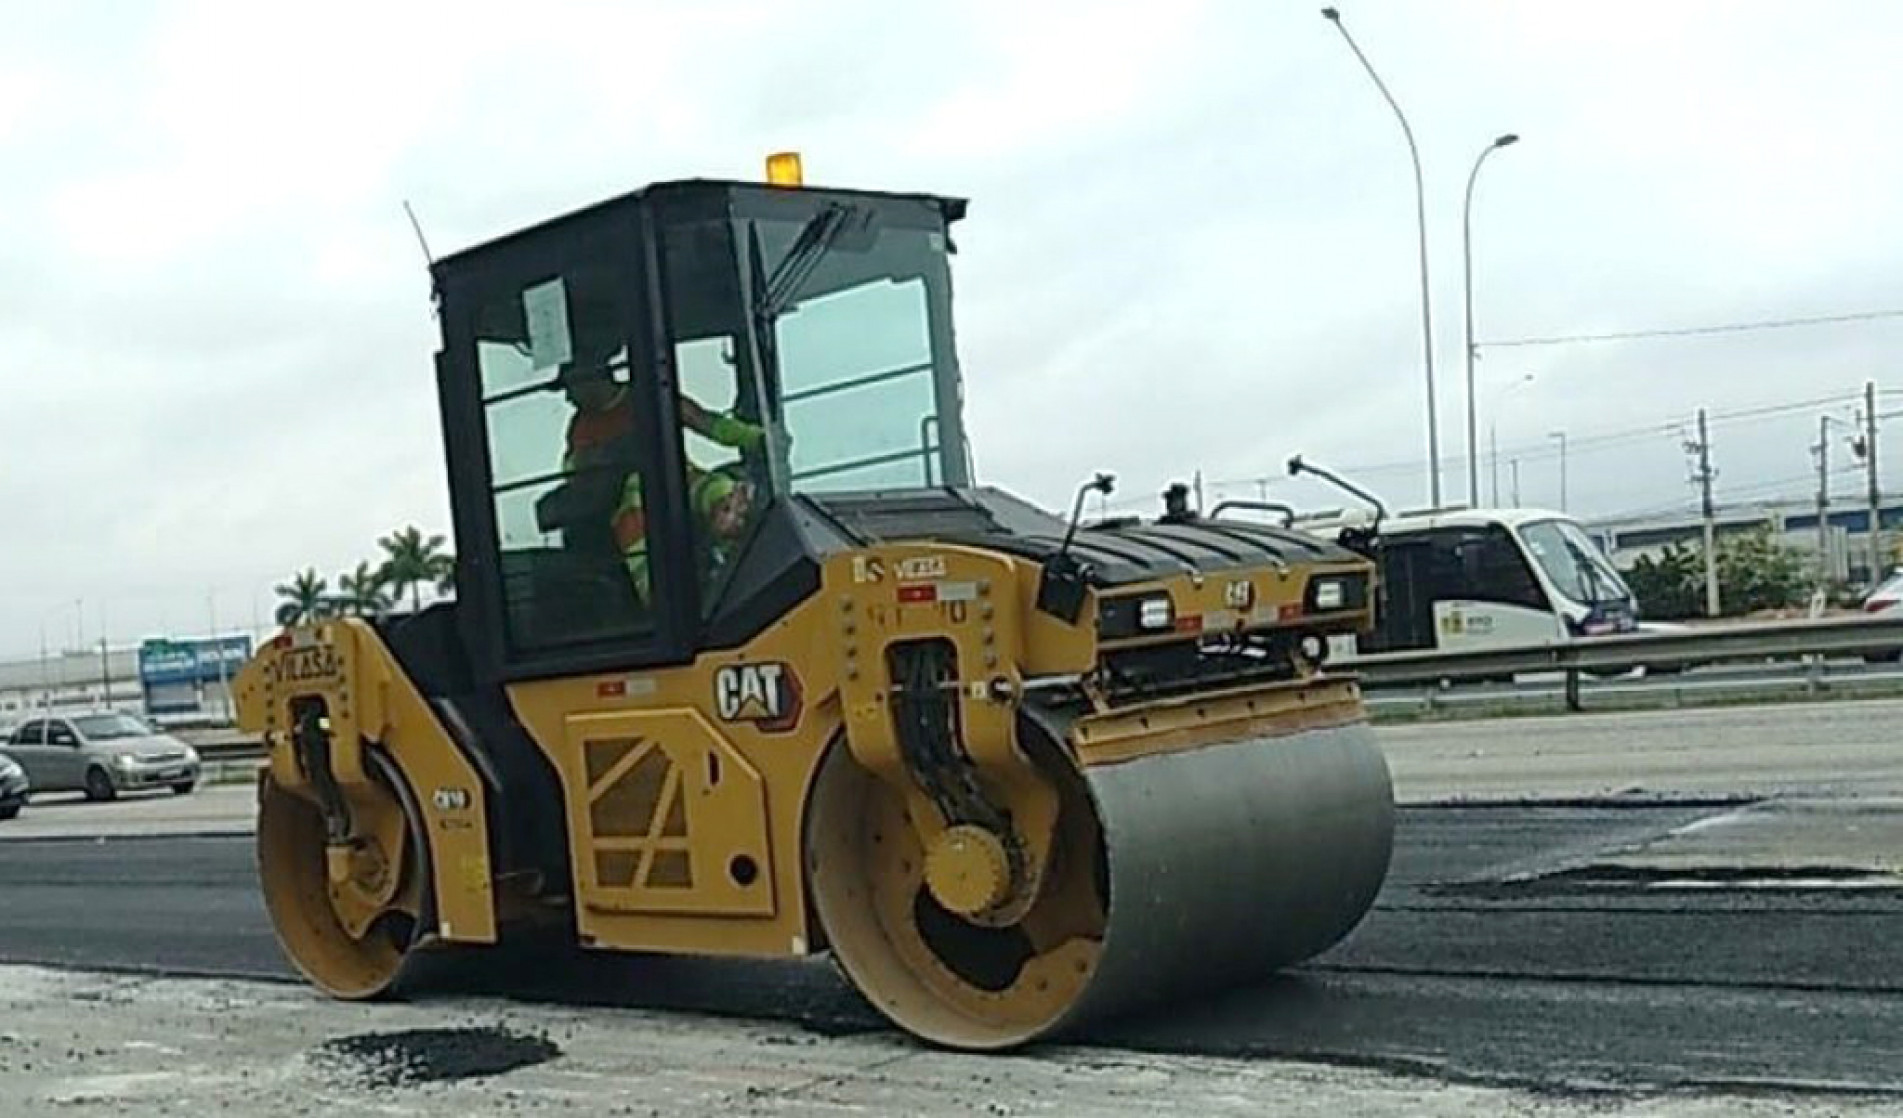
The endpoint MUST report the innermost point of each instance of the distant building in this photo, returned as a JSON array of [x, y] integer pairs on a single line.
[[69, 680], [186, 679], [1845, 542]]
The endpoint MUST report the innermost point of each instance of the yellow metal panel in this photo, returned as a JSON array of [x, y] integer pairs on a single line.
[[664, 789], [1051, 645], [719, 695], [1255, 598], [369, 699], [975, 601], [1189, 722]]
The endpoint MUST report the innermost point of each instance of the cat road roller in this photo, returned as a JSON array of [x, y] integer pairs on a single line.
[[742, 662]]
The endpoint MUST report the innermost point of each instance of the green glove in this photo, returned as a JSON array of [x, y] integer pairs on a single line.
[[736, 433]]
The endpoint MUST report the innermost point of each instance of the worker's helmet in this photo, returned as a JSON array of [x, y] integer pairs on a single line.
[[722, 501]]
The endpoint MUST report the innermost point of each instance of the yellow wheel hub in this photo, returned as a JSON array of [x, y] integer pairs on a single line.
[[968, 870], [347, 914]]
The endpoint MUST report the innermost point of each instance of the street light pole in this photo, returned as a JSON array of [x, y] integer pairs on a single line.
[[1467, 259], [1561, 436], [1420, 214]]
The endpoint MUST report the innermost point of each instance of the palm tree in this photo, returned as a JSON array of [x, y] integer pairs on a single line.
[[303, 598], [412, 561], [363, 591]]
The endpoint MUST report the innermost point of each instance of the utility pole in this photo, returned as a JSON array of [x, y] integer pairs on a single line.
[[1199, 492], [1515, 463], [1870, 466], [1823, 502], [1561, 436], [224, 694], [1493, 455], [105, 662], [1703, 477]]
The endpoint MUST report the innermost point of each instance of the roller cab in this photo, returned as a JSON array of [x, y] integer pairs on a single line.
[[744, 661]]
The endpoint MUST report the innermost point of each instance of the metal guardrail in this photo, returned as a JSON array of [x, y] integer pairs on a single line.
[[1785, 640], [1809, 641], [221, 742]]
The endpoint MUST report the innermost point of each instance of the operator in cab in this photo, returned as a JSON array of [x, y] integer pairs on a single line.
[[599, 436]]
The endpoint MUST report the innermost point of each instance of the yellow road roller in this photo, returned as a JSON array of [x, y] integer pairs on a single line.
[[742, 661]]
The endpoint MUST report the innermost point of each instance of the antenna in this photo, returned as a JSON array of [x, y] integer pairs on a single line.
[[428, 256]]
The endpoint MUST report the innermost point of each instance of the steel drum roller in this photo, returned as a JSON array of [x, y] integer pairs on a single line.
[[1176, 872]]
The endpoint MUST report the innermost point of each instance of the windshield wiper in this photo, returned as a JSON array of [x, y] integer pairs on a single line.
[[815, 240], [1593, 582]]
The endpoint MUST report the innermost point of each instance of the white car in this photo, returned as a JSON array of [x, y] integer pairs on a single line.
[[102, 753], [1887, 596], [1886, 599]]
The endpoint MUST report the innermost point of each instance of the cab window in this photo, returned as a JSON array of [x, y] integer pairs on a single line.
[[1482, 565], [728, 465], [856, 370], [569, 477], [845, 301]]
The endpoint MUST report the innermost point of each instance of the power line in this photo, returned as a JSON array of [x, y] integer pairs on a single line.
[[1604, 440], [1727, 495], [1693, 331], [1543, 451]]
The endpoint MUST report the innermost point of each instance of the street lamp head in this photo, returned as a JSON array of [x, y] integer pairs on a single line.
[[1331, 15], [1509, 138]]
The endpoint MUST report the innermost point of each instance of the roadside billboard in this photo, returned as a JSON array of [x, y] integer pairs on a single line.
[[181, 675]]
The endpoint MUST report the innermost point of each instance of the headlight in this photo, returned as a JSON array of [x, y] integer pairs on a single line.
[[1330, 593], [1154, 614], [1124, 616], [191, 755], [125, 761], [10, 769]]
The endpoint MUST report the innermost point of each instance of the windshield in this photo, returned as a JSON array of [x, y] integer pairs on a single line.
[[844, 349], [1570, 559], [846, 331], [104, 727]]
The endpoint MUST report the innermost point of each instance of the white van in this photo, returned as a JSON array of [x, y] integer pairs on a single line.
[[1466, 579]]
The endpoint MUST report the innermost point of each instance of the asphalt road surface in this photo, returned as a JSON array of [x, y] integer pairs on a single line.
[[1473, 968], [1694, 901]]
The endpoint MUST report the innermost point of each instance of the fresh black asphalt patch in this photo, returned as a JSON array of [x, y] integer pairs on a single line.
[[417, 1056]]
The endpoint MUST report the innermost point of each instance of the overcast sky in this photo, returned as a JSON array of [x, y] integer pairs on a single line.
[[1191, 244]]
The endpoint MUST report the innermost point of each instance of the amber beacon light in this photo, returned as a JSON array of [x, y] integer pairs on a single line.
[[783, 169]]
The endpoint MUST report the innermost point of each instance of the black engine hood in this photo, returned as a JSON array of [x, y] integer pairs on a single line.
[[1117, 552]]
